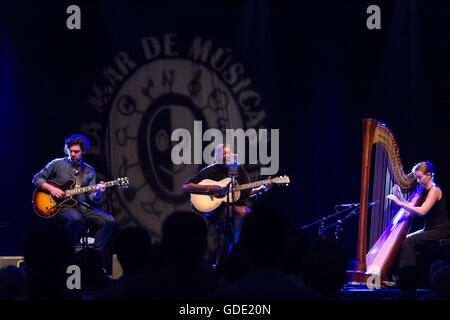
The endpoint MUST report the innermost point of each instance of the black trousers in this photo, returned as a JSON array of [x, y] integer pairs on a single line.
[[415, 245], [75, 219]]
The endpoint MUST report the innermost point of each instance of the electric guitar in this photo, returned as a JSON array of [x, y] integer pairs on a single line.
[[46, 206], [206, 203]]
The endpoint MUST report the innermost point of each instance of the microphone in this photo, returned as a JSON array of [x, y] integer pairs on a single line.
[[233, 171], [373, 203], [233, 168], [349, 205]]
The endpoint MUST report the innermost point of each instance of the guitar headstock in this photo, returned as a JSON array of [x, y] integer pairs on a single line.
[[122, 182], [282, 180]]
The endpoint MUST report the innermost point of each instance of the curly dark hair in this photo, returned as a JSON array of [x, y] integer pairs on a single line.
[[74, 139]]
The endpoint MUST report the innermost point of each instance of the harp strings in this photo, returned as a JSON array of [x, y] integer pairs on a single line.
[[383, 181]]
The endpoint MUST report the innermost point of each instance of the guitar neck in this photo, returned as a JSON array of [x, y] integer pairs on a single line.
[[75, 191], [251, 185]]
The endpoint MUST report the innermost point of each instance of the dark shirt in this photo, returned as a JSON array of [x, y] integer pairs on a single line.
[[437, 216], [61, 170], [219, 172]]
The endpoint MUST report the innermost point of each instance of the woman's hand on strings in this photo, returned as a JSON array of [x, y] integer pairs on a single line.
[[396, 195], [396, 191], [393, 198]]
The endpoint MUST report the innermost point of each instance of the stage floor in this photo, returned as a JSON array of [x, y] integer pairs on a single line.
[[353, 291]]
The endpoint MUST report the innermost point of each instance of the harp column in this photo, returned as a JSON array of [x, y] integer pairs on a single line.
[[368, 128]]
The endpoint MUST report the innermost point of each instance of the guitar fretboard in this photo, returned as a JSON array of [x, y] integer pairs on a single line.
[[74, 191], [251, 185]]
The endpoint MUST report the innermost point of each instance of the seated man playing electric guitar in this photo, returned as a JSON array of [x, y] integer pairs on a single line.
[[219, 171], [73, 167]]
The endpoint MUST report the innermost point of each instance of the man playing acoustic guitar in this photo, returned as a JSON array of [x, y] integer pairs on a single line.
[[219, 171], [72, 167]]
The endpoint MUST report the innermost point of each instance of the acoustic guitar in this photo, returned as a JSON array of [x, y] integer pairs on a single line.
[[207, 203], [46, 206]]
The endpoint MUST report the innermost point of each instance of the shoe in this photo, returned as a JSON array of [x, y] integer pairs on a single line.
[[390, 284]]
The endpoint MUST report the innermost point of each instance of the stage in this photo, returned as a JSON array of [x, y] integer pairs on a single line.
[[310, 96]]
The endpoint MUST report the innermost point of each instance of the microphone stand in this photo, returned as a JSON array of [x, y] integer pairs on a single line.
[[322, 221], [338, 224], [226, 229], [231, 214]]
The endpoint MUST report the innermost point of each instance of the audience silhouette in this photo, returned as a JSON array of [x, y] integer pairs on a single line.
[[326, 268], [261, 247], [407, 284], [93, 275], [184, 273], [133, 246], [271, 260], [439, 281], [48, 252], [13, 283]]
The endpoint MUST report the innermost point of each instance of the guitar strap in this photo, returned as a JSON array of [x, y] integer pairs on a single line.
[[78, 183], [80, 177]]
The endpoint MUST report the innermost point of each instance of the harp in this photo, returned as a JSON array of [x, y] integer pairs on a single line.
[[389, 224]]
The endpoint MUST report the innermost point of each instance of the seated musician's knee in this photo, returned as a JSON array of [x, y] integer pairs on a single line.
[[109, 221], [74, 216]]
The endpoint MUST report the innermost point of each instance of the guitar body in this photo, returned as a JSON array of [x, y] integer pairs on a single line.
[[45, 206], [207, 203]]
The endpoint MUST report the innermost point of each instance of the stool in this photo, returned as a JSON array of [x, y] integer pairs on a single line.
[[85, 240]]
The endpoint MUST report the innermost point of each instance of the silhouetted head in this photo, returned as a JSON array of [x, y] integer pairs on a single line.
[[296, 251], [133, 246], [48, 251], [13, 283], [184, 237], [436, 265], [263, 235], [48, 247], [440, 282], [327, 267], [90, 258]]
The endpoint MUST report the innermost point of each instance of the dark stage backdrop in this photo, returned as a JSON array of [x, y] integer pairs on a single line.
[[138, 70]]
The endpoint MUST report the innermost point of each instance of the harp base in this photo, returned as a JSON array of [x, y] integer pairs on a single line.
[[359, 276]]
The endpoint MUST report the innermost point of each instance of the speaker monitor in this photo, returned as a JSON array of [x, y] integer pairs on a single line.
[[5, 261], [11, 261]]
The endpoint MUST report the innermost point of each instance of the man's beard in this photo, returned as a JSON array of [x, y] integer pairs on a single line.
[[75, 162]]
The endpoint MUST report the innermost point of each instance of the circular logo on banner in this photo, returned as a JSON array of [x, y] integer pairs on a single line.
[[157, 99], [145, 107]]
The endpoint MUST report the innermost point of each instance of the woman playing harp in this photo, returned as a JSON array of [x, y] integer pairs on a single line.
[[437, 220], [388, 225]]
